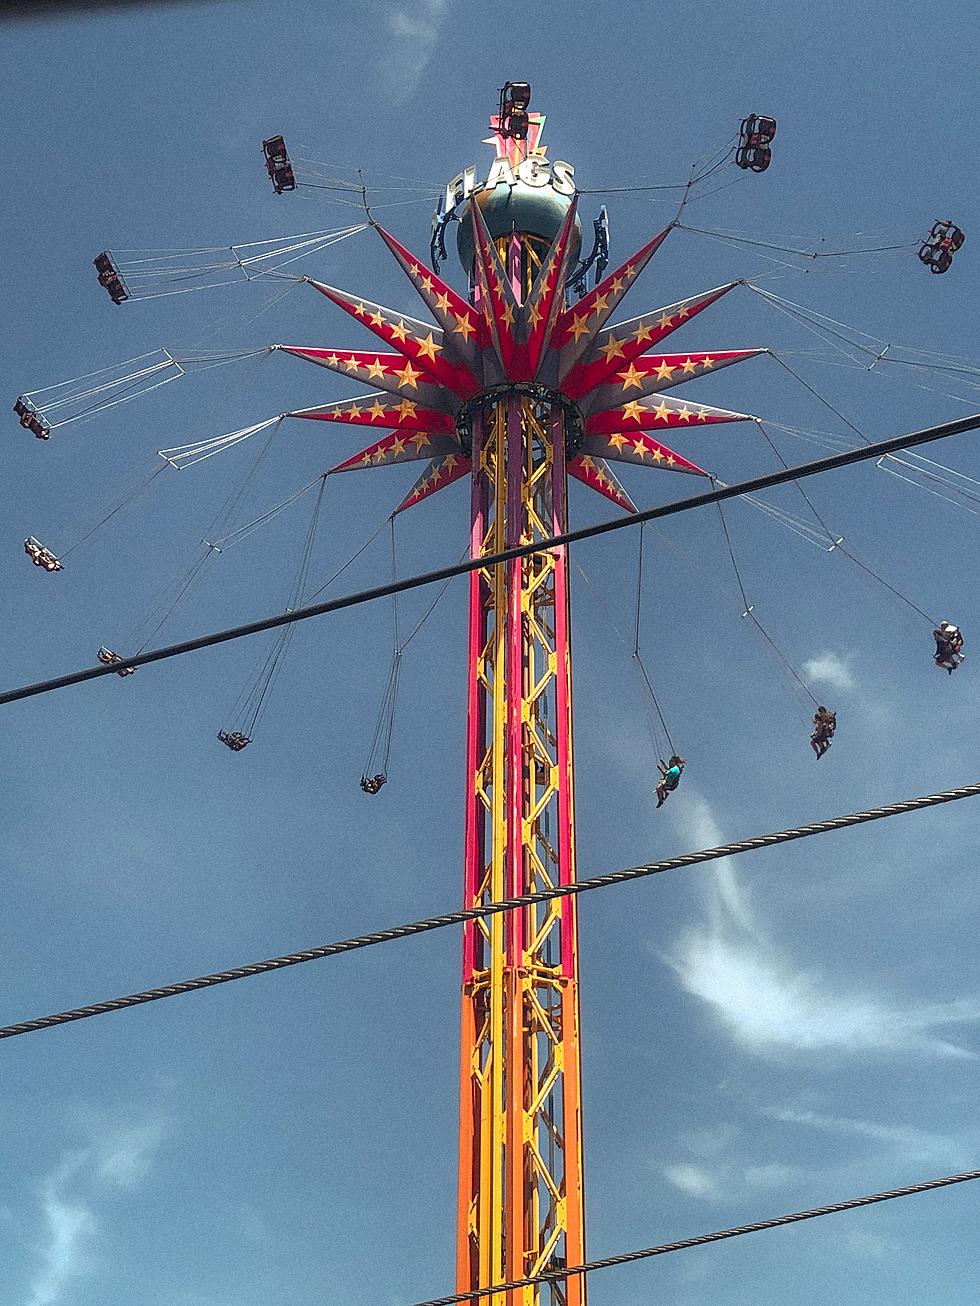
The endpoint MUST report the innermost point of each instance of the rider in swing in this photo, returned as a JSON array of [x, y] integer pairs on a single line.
[[824, 726], [949, 646], [670, 775]]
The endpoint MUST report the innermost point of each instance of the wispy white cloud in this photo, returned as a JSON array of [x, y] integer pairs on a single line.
[[69, 1196], [413, 32], [914, 1144], [829, 669], [728, 1178], [771, 1005], [692, 1179]]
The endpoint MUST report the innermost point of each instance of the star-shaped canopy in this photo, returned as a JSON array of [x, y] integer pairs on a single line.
[[613, 375]]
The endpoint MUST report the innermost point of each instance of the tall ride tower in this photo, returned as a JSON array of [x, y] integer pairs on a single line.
[[521, 390]]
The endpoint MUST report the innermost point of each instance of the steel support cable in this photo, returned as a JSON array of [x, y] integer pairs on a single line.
[[701, 1240], [838, 544], [816, 394], [748, 611], [656, 739], [803, 253], [638, 656], [751, 844], [831, 463]]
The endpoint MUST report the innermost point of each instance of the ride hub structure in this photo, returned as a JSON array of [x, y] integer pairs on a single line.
[[519, 389]]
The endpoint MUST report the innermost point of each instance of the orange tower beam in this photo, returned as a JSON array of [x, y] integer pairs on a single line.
[[520, 1173]]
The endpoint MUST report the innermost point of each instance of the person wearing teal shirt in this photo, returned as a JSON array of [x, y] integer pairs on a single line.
[[670, 774]]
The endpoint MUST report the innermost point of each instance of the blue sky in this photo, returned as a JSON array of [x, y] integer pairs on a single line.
[[794, 1028]]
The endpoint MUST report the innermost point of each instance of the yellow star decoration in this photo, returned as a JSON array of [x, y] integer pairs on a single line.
[[613, 348], [644, 332], [578, 327], [600, 304], [427, 347], [671, 460], [685, 414], [683, 312], [399, 330], [665, 322], [450, 462], [632, 410], [702, 414], [507, 315], [601, 478], [629, 271], [425, 285], [408, 376], [631, 377], [617, 441], [640, 446], [662, 411], [535, 314], [407, 408], [588, 464], [366, 458], [377, 319], [419, 439], [376, 370], [352, 412], [397, 446], [359, 309], [377, 412], [442, 303], [665, 371], [379, 454], [332, 360], [616, 285], [658, 454], [351, 364], [687, 367], [707, 362], [464, 326]]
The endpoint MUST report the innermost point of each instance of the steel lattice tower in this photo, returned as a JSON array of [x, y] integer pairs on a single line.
[[520, 390]]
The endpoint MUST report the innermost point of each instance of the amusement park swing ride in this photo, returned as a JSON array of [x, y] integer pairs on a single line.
[[519, 386]]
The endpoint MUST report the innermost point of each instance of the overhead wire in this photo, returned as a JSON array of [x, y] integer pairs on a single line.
[[463, 915], [832, 462], [556, 1276]]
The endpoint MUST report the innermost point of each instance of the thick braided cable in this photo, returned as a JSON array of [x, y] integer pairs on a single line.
[[491, 909], [844, 459], [553, 1276]]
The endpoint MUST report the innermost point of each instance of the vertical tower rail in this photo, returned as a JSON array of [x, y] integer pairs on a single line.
[[520, 1176]]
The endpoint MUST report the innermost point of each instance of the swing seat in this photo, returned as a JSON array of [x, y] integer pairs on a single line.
[[234, 739], [278, 165], [109, 277], [31, 419], [40, 556], [372, 784], [753, 151], [937, 250], [111, 659]]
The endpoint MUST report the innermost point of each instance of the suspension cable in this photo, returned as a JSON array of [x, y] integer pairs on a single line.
[[494, 908], [838, 543], [749, 611], [834, 461], [638, 656], [700, 1240]]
